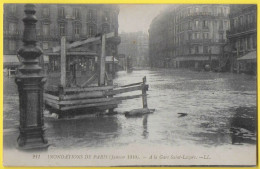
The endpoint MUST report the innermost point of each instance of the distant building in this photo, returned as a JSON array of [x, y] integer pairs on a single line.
[[241, 55], [75, 21], [189, 36], [135, 46]]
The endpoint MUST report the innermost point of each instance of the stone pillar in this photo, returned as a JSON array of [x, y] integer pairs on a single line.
[[30, 83]]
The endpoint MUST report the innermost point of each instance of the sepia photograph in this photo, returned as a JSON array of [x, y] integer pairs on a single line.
[[129, 84]]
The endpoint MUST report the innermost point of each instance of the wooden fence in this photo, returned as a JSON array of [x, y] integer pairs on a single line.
[[72, 98]]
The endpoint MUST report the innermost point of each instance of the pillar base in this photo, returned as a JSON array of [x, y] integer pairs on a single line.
[[32, 139]]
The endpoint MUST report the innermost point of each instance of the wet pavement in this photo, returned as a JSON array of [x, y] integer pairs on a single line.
[[218, 109]]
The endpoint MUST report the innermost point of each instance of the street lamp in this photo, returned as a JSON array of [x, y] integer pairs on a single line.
[[30, 83]]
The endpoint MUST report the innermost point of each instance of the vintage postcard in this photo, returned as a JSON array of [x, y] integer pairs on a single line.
[[130, 84]]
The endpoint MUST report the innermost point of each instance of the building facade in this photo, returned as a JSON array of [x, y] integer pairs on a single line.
[[135, 45], [189, 36], [75, 21], [241, 54]]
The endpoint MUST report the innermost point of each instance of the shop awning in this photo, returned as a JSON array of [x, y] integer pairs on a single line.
[[109, 59], [249, 56], [11, 60]]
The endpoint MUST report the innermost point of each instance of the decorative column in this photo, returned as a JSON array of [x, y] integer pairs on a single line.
[[30, 83]]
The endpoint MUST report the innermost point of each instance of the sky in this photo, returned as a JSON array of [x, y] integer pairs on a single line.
[[134, 18]]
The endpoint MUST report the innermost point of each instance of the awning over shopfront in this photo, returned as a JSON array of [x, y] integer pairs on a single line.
[[11, 60], [251, 56], [109, 59]]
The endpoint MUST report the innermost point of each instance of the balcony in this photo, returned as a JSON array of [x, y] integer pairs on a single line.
[[242, 29]]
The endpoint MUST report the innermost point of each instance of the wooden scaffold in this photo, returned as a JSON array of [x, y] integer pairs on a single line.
[[65, 98]]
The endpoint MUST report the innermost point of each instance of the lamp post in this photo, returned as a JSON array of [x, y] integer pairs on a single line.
[[30, 83]]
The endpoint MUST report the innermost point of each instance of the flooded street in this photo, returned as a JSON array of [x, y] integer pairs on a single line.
[[191, 108]]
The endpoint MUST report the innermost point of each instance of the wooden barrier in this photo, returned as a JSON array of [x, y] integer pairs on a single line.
[[98, 96]]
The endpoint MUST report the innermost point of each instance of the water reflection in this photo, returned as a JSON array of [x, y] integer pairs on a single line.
[[145, 126], [83, 131]]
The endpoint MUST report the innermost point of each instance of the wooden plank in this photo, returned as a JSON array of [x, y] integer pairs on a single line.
[[88, 89], [52, 104], [78, 43], [133, 84], [102, 62], [63, 61], [94, 94], [128, 97], [110, 35], [49, 96], [125, 90], [91, 105], [85, 101]]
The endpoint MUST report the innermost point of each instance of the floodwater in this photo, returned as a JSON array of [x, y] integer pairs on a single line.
[[219, 109]]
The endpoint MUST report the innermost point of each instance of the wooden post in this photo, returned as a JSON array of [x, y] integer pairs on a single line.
[[63, 62], [144, 97], [102, 61], [30, 83]]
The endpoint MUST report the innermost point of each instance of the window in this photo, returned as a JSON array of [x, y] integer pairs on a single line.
[[45, 12], [205, 35], [76, 13], [221, 37], [241, 20], [189, 11], [254, 42], [190, 25], [190, 36], [221, 10], [91, 30], [12, 28], [196, 9], [226, 25], [61, 12], [77, 29], [196, 49], [197, 35], [221, 25], [62, 29], [248, 43], [235, 23], [45, 45], [241, 45], [205, 24], [91, 15], [205, 49], [196, 24], [46, 29], [12, 45]]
